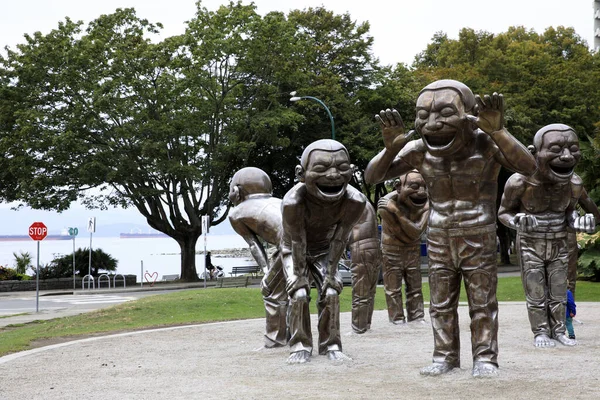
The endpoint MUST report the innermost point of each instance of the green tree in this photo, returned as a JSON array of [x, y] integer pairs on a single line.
[[140, 122], [162, 125]]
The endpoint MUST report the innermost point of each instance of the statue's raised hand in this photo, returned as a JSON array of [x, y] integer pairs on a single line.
[[489, 113], [392, 127]]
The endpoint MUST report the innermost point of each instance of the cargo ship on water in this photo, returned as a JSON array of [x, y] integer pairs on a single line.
[[142, 235]]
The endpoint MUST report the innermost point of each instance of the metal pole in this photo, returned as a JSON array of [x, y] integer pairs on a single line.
[[141, 273], [73, 262], [90, 263], [204, 259], [37, 280], [328, 113]]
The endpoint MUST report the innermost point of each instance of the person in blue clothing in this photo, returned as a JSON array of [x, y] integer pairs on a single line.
[[571, 312]]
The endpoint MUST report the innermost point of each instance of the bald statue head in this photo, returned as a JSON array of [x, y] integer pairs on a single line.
[[442, 109], [556, 150], [325, 170], [248, 181], [466, 95]]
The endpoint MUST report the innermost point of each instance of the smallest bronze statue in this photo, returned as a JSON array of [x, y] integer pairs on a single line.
[[256, 216], [540, 207], [404, 214]]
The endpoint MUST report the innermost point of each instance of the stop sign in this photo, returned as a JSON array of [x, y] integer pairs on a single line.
[[38, 231]]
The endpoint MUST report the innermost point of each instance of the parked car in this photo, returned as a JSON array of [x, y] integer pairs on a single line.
[[345, 273]]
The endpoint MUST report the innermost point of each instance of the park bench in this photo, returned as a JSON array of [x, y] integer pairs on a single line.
[[168, 278], [245, 269], [234, 282]]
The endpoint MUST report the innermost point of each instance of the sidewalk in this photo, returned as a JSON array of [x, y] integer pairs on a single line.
[[228, 361]]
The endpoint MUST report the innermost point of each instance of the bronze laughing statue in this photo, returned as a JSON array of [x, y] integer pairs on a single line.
[[404, 214], [318, 215], [256, 216], [366, 259], [540, 207], [460, 165]]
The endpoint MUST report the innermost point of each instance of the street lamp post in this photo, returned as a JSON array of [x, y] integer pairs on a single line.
[[297, 98]]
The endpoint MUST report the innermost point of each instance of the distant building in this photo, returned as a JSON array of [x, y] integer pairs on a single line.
[[597, 25]]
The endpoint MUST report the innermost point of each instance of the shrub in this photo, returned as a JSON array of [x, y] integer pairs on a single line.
[[9, 274], [62, 266], [588, 269]]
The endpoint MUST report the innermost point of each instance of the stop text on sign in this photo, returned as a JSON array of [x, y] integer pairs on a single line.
[[38, 231]]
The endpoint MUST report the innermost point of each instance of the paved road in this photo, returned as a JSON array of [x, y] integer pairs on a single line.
[[26, 303], [19, 308]]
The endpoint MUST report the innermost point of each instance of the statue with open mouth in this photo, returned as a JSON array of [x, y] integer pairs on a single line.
[[462, 146], [318, 215], [404, 214], [541, 207]]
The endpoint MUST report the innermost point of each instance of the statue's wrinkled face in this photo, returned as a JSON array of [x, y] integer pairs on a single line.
[[558, 155], [442, 121], [412, 190], [327, 174]]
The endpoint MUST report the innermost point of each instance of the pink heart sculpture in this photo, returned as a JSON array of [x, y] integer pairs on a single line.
[[151, 277]]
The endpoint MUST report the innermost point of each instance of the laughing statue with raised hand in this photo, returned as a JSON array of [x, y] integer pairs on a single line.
[[318, 215], [462, 147], [256, 216], [540, 207]]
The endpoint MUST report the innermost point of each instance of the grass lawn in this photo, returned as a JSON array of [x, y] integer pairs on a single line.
[[201, 306]]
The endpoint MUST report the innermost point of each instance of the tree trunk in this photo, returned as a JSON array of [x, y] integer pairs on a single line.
[[188, 258]]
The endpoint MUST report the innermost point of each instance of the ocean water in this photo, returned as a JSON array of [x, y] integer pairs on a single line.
[[135, 256]]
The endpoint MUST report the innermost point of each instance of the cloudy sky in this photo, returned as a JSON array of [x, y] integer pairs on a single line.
[[400, 28]]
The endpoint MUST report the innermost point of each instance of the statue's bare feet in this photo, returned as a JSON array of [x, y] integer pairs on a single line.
[[543, 341], [418, 321], [399, 322], [436, 369], [564, 340], [484, 370], [299, 357], [336, 355]]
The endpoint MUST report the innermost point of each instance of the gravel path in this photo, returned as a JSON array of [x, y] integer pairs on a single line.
[[227, 361]]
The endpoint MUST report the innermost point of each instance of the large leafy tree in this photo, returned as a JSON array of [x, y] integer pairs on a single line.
[[107, 109], [105, 115]]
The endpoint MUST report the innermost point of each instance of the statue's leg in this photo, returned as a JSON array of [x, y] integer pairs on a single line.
[[276, 305], [444, 282], [557, 292], [365, 257], [360, 297], [479, 266], [374, 267], [392, 284], [414, 293], [298, 289], [572, 268], [530, 253]]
